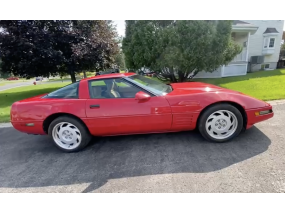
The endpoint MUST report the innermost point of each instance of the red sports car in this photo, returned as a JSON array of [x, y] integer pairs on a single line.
[[13, 78], [120, 104]]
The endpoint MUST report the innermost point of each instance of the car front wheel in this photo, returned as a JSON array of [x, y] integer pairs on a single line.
[[220, 123], [69, 134]]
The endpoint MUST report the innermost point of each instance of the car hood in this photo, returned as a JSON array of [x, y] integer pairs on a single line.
[[208, 94], [197, 87]]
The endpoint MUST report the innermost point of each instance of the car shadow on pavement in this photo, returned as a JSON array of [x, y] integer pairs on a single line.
[[32, 161]]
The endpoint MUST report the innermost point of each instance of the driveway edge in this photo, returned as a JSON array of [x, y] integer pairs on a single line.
[[5, 125], [276, 102]]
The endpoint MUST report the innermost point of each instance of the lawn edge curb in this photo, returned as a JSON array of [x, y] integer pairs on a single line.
[[5, 125], [276, 102]]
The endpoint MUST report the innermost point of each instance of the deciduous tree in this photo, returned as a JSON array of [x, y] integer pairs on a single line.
[[43, 48], [179, 49]]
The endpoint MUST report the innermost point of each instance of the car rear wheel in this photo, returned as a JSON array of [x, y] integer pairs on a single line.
[[69, 134], [220, 123]]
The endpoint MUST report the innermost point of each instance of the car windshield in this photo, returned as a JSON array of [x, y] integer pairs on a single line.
[[150, 84]]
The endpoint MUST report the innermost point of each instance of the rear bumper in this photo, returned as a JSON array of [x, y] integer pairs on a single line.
[[36, 128], [252, 118]]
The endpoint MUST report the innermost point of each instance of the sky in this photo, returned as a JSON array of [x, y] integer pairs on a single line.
[[121, 27]]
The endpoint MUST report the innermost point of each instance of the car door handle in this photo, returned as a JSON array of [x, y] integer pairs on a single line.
[[95, 106]]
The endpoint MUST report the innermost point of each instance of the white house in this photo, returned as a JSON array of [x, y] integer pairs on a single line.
[[261, 42]]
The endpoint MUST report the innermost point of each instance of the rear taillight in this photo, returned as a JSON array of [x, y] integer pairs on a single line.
[[13, 112]]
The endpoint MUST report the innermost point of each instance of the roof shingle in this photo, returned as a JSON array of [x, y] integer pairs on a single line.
[[238, 22], [271, 30]]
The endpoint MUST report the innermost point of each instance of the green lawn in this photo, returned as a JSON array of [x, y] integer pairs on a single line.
[[59, 80], [10, 96], [264, 85]]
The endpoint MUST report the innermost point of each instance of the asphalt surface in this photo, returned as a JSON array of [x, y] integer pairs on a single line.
[[174, 162], [28, 83], [15, 85]]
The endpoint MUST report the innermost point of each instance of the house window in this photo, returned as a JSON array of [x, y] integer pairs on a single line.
[[271, 42], [265, 42], [266, 66]]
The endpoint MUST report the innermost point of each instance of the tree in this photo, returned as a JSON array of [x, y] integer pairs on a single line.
[[283, 46], [1, 75], [120, 57], [120, 61], [43, 48], [127, 44], [98, 46], [28, 48], [179, 49]]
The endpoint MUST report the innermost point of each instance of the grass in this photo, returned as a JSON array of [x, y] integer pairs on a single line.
[[79, 76], [3, 83], [264, 85], [12, 95], [60, 80]]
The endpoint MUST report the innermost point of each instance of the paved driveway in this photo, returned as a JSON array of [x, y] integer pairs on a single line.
[[176, 162], [28, 83], [15, 85]]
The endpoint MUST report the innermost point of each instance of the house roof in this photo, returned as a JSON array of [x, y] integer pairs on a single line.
[[238, 22], [271, 30], [241, 26]]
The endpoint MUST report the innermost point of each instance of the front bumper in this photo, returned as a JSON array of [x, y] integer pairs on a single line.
[[253, 118]]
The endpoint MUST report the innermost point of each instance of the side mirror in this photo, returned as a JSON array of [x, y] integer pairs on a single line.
[[141, 96]]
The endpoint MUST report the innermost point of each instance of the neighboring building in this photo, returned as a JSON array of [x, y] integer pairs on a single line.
[[261, 42], [281, 62]]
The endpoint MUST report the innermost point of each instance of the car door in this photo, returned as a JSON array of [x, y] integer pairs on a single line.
[[124, 114]]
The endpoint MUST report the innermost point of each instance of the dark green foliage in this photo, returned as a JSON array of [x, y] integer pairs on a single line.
[[120, 61], [176, 49], [43, 48], [283, 46]]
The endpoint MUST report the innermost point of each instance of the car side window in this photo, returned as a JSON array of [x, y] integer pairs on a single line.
[[70, 91], [112, 89]]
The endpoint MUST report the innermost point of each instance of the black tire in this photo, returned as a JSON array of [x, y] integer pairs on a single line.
[[214, 108], [85, 135]]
